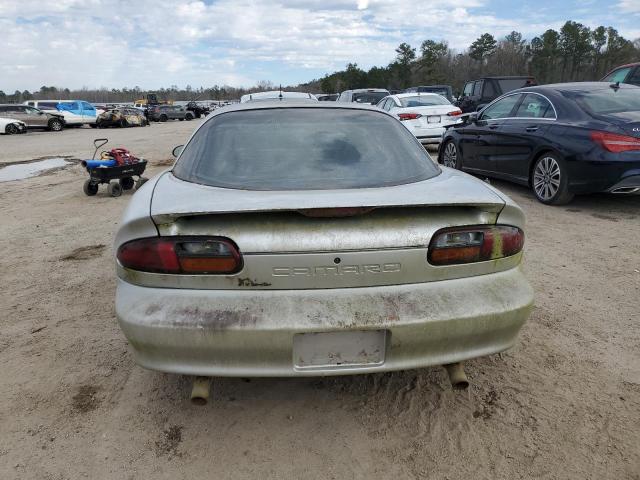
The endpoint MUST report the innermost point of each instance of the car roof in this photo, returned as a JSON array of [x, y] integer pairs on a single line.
[[273, 94], [361, 90], [276, 104], [416, 94], [574, 86]]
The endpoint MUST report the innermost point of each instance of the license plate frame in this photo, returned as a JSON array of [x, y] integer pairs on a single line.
[[339, 350], [434, 119]]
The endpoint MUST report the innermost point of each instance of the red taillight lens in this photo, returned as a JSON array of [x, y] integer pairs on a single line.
[[457, 245], [616, 143], [181, 255], [455, 113], [408, 116]]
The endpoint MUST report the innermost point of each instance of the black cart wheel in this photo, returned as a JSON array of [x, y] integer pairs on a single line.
[[127, 183], [114, 189], [141, 181], [89, 188], [188, 116]]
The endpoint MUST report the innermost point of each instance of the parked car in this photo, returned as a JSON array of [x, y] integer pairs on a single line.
[[560, 140], [162, 113], [75, 112], [624, 74], [363, 95], [198, 109], [33, 117], [478, 93], [122, 117], [445, 90], [327, 97], [426, 115], [277, 95], [11, 126], [325, 242]]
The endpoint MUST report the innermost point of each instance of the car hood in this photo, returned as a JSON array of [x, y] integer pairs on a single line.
[[627, 121], [173, 197]]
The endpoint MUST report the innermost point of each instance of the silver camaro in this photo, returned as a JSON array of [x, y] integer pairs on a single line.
[[295, 239]]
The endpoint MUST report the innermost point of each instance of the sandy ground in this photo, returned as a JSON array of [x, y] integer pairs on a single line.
[[563, 404]]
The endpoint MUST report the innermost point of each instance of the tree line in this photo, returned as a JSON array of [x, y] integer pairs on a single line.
[[574, 53]]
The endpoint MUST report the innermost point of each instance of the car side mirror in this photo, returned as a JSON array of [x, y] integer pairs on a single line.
[[177, 151], [473, 117]]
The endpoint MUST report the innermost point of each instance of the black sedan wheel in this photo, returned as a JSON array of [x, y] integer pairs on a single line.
[[11, 129], [550, 181], [450, 155]]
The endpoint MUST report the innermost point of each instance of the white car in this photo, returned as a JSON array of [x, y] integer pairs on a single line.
[[277, 95], [9, 126], [426, 115]]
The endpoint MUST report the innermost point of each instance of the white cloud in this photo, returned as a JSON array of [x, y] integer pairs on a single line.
[[151, 43], [630, 6]]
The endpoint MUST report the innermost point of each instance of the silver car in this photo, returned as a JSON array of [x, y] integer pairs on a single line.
[[316, 239]]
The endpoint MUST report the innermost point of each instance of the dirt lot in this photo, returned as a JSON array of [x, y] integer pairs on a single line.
[[563, 404]]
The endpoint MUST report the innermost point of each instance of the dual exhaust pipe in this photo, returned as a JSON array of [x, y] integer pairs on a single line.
[[202, 385]]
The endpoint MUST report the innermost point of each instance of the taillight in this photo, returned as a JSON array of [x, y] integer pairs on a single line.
[[455, 113], [181, 255], [408, 116], [614, 142], [456, 245]]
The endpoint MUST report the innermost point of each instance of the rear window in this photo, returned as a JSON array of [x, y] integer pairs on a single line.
[[424, 101], [303, 149], [508, 84], [607, 100], [369, 97]]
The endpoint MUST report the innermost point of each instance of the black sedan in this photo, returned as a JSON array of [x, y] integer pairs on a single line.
[[560, 140]]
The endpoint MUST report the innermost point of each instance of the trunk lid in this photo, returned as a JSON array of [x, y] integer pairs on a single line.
[[629, 122], [323, 239]]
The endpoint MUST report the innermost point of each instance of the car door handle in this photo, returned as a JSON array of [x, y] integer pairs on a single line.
[[531, 129], [493, 127]]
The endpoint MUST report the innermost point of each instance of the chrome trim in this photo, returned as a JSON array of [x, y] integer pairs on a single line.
[[520, 118]]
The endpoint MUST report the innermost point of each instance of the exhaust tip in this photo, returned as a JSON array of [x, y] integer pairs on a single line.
[[200, 391], [625, 190], [457, 376]]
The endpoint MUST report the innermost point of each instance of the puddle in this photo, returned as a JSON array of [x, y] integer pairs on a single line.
[[21, 171]]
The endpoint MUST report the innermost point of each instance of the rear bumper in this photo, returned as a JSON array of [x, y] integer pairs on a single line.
[[605, 176], [250, 333]]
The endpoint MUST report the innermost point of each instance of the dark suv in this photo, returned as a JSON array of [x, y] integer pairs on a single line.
[[478, 93], [162, 113]]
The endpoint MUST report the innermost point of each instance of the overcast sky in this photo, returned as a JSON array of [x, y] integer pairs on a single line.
[[112, 43]]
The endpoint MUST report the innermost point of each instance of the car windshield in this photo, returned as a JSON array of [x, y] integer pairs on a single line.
[[303, 149], [607, 100], [424, 101], [369, 97]]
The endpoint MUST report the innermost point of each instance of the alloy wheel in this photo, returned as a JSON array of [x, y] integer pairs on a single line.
[[546, 178], [450, 156]]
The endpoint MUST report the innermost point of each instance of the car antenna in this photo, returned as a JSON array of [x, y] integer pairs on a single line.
[[615, 86]]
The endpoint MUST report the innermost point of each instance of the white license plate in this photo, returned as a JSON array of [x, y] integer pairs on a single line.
[[433, 119], [339, 349]]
